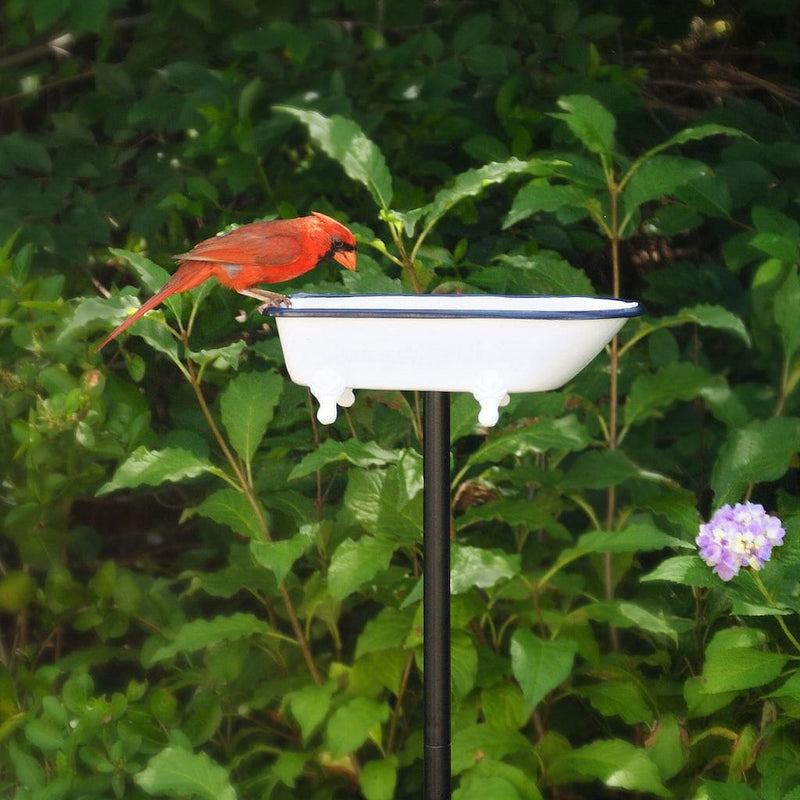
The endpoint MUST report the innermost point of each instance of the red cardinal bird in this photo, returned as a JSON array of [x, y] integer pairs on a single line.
[[261, 252]]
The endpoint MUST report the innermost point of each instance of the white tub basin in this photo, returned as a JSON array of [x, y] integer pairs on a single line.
[[488, 345]]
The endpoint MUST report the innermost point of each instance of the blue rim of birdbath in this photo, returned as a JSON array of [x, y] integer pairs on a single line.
[[618, 308]]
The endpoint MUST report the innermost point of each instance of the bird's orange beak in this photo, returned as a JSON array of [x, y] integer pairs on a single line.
[[347, 258]]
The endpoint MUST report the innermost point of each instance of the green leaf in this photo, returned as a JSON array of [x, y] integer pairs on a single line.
[[151, 275], [716, 790], [26, 152], [542, 196], [564, 433], [654, 178], [540, 666], [678, 506], [45, 735], [469, 184], [624, 614], [153, 467], [378, 779], [289, 766], [667, 746], [733, 663], [614, 762], [660, 176], [474, 29], [590, 121], [761, 451], [227, 357], [789, 688], [712, 316], [345, 142], [229, 507], [619, 698], [652, 393], [310, 706], [201, 633], [774, 221], [776, 245], [514, 512], [360, 454], [89, 310], [629, 540], [502, 704], [175, 772], [388, 502], [154, 332], [491, 741], [464, 664], [247, 406], [686, 570], [115, 310], [787, 301], [709, 195], [239, 574], [387, 630], [27, 770], [497, 780], [695, 134], [539, 273], [671, 220], [476, 566], [487, 60], [599, 469], [357, 561], [351, 724], [280, 556]]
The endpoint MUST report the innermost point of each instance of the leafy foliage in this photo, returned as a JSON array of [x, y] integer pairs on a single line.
[[204, 593]]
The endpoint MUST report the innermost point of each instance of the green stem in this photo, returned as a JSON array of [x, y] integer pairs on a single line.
[[246, 487], [779, 617]]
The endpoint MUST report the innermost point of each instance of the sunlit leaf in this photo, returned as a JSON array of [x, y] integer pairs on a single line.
[[176, 772], [230, 507], [547, 197], [351, 724], [310, 706], [345, 142], [153, 467], [734, 661], [378, 778], [201, 633], [279, 556], [760, 451], [356, 561], [471, 183], [539, 666], [652, 393], [360, 454], [247, 406], [477, 566], [590, 121], [615, 762]]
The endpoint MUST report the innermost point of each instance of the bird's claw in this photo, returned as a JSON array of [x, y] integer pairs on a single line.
[[275, 302]]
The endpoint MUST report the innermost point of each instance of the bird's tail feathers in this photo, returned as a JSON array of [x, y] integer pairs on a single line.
[[186, 277]]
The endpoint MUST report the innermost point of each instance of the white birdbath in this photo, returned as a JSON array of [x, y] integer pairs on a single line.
[[491, 346]]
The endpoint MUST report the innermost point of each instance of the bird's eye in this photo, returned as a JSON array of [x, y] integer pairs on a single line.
[[337, 244]]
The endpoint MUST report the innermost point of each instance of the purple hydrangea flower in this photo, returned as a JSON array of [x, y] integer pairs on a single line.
[[742, 536]]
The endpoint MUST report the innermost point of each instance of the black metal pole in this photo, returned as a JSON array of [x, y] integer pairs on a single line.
[[436, 593]]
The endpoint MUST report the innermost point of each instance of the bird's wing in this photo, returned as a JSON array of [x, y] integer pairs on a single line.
[[250, 245]]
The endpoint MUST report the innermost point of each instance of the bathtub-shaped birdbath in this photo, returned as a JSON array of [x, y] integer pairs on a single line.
[[488, 345]]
